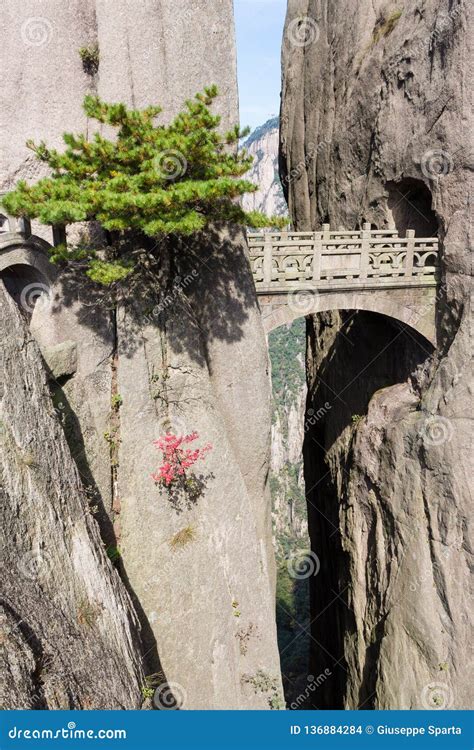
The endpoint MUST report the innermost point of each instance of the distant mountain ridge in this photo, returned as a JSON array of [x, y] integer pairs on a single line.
[[262, 144], [262, 130]]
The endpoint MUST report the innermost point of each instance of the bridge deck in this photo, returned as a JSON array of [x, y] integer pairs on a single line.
[[327, 260], [334, 260]]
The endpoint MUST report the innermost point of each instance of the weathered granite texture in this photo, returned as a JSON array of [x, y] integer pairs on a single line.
[[157, 51], [202, 366], [190, 355], [375, 128], [69, 637]]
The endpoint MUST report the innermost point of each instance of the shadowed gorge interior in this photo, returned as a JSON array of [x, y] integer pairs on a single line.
[[350, 356]]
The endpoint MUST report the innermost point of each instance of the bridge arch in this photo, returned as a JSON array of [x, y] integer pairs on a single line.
[[25, 269], [302, 273], [412, 307]]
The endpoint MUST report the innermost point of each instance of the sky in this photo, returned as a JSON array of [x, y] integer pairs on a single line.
[[259, 27]]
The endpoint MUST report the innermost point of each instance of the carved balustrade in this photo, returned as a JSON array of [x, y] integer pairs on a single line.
[[332, 259]]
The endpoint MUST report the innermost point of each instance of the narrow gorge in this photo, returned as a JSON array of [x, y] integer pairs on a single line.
[[319, 557]]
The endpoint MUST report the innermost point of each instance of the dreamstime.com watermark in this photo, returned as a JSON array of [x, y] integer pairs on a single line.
[[67, 733], [170, 164], [35, 294], [303, 564], [437, 696], [296, 171], [314, 415], [313, 684], [179, 286], [169, 696], [36, 31], [302, 31], [436, 430]]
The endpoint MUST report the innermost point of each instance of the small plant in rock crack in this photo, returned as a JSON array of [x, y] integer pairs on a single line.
[[116, 401], [265, 683], [183, 537], [152, 681], [175, 474], [113, 553], [90, 59], [244, 635]]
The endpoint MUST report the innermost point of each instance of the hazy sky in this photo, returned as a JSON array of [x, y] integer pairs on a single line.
[[259, 25]]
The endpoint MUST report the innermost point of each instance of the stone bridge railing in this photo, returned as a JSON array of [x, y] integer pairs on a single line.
[[285, 261], [325, 260]]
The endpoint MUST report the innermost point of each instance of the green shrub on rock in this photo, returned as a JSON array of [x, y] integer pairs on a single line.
[[150, 182]]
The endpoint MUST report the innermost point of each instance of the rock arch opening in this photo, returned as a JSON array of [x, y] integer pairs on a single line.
[[409, 205], [26, 285], [325, 373]]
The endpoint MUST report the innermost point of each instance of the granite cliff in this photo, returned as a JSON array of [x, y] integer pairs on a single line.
[[262, 144], [374, 129], [200, 575]]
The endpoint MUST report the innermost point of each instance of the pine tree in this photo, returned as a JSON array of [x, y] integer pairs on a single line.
[[153, 180]]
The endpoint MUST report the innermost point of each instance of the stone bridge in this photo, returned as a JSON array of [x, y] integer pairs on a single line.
[[299, 273]]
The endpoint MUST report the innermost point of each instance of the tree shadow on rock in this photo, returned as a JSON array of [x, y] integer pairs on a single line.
[[197, 289], [185, 493]]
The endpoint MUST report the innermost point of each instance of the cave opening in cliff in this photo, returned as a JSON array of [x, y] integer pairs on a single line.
[[329, 373], [410, 206], [26, 285]]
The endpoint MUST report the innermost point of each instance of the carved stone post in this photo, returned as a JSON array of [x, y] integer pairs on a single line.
[[410, 235], [23, 226], [364, 252], [317, 256], [267, 259], [59, 235]]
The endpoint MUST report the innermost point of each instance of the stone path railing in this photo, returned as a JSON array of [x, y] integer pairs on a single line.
[[328, 259], [11, 226], [284, 261]]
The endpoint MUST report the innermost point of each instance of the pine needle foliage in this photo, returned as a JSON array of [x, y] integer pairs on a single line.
[[154, 179]]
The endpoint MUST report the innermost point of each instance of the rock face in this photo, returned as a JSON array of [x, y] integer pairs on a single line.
[[374, 129], [188, 354], [199, 568], [262, 144], [69, 636], [203, 367], [154, 47]]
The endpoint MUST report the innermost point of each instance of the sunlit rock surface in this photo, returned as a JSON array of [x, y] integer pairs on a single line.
[[190, 356]]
